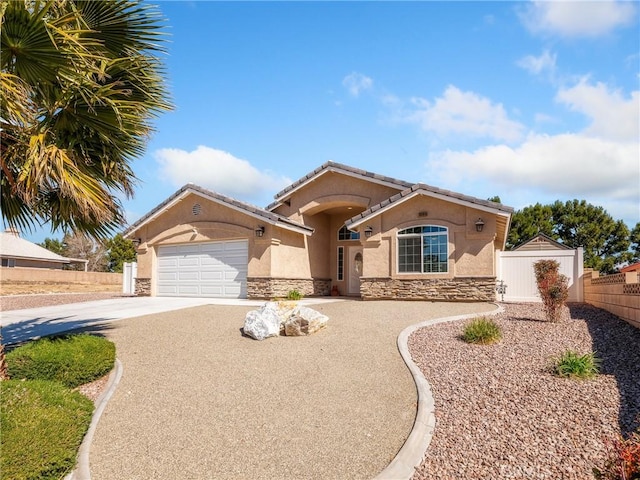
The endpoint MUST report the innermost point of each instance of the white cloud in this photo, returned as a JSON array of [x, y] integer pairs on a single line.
[[217, 170], [565, 166], [464, 113], [356, 83], [612, 115], [546, 62], [577, 18], [570, 163]]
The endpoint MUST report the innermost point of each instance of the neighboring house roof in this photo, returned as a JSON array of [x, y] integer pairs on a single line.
[[542, 242], [251, 210], [634, 267], [12, 246], [330, 166]]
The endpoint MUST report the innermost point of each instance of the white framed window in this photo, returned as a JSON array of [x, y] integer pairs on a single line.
[[423, 249], [340, 263], [345, 234]]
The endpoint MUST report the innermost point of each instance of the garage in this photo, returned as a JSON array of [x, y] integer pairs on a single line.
[[215, 269]]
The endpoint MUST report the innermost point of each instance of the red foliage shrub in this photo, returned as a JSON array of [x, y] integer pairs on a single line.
[[552, 286], [624, 459]]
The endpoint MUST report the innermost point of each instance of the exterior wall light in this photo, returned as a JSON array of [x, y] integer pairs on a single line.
[[260, 231], [136, 242], [368, 231], [479, 225]]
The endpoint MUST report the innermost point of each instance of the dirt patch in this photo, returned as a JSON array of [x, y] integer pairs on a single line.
[[20, 302], [38, 288]]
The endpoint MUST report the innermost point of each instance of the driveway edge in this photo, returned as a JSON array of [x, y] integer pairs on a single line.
[[415, 447], [82, 470]]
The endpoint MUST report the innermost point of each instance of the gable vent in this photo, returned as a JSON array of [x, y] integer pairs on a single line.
[[197, 208]]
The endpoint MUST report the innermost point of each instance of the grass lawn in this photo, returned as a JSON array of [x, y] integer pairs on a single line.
[[43, 421]]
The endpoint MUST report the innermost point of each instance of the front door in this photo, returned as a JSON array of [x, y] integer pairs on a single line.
[[355, 270]]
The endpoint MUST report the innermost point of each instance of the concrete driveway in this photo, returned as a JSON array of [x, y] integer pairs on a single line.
[[22, 325]]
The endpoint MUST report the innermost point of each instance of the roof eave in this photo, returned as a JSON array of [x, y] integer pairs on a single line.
[[192, 189]]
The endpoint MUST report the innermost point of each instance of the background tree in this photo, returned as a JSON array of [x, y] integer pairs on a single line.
[[605, 240], [576, 223], [81, 82], [81, 246], [634, 239], [54, 245], [529, 222], [120, 250]]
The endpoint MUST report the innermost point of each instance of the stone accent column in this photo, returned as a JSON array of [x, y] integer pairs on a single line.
[[143, 287]]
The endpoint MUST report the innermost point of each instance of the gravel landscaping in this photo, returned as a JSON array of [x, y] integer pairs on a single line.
[[500, 413], [20, 302]]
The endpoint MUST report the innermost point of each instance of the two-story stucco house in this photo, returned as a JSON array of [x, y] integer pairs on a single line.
[[364, 234]]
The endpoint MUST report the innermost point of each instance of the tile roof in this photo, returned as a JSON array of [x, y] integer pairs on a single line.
[[12, 246], [429, 190], [247, 208], [331, 166]]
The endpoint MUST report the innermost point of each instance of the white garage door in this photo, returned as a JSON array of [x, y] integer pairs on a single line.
[[217, 269]]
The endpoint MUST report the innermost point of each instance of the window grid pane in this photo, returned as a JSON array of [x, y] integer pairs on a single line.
[[345, 234], [340, 263], [423, 249]]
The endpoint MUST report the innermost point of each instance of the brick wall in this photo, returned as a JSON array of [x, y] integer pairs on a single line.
[[454, 289], [261, 287], [618, 294]]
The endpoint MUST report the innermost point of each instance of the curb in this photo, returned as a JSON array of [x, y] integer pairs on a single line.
[[412, 453], [82, 471]]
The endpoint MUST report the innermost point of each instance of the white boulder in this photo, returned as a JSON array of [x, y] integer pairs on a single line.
[[263, 323]]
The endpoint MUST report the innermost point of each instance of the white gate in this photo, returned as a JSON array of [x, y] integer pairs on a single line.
[[129, 274], [515, 269]]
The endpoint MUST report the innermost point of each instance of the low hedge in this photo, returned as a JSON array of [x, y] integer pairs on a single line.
[[70, 359]]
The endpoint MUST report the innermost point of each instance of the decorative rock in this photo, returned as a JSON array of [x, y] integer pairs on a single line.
[[284, 318], [304, 321], [263, 323]]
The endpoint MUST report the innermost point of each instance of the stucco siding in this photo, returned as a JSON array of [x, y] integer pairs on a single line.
[[289, 257], [335, 188]]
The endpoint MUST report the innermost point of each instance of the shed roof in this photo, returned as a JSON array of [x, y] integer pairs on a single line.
[[542, 241]]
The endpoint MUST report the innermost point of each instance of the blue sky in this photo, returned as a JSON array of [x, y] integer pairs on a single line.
[[531, 101]]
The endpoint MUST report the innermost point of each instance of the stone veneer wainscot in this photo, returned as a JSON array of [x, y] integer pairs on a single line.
[[261, 287], [469, 289]]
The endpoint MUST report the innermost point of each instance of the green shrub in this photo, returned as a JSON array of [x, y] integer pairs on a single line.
[[552, 286], [69, 359], [482, 331], [294, 295], [623, 460], [572, 364], [42, 424]]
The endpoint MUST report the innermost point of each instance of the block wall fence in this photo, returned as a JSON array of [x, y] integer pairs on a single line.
[[618, 294], [23, 274]]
